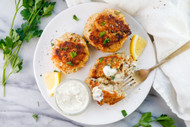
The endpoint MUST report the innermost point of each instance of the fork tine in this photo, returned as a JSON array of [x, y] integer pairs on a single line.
[[127, 78], [127, 82]]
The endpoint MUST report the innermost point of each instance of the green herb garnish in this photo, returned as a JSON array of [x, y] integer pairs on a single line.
[[101, 59], [52, 44], [118, 13], [55, 71], [117, 59], [106, 41], [73, 54], [65, 48], [40, 75], [70, 63], [75, 18], [89, 30], [75, 40], [112, 78], [124, 113], [32, 12], [146, 119], [38, 103], [103, 23], [35, 116], [102, 33], [61, 48]]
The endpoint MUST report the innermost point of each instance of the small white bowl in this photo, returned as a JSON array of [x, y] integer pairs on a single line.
[[84, 107]]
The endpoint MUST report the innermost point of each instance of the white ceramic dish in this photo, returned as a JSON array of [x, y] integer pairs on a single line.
[[63, 22]]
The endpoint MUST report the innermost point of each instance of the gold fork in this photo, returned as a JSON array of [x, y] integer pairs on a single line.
[[139, 76]]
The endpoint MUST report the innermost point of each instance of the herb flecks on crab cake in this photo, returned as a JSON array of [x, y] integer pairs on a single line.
[[106, 76], [107, 30], [70, 53]]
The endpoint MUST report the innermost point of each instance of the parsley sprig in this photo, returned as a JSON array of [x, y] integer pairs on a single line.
[[32, 13], [146, 119]]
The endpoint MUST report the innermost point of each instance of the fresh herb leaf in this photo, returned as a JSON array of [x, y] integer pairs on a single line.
[[73, 54], [40, 75], [102, 33], [35, 116], [38, 3], [89, 30], [70, 63], [47, 10], [165, 121], [61, 48], [55, 71], [75, 40], [75, 18], [117, 59], [101, 59], [16, 64], [65, 48], [103, 23], [118, 13], [124, 113], [52, 44], [113, 77], [106, 41]]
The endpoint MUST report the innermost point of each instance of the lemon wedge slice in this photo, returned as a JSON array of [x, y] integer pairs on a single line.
[[52, 80], [137, 46]]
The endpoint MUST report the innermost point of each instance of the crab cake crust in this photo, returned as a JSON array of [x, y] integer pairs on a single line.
[[113, 23], [69, 53]]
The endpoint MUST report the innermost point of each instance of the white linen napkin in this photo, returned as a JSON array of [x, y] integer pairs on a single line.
[[167, 21]]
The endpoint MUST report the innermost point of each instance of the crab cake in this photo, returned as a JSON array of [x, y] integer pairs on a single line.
[[107, 30], [69, 53], [106, 76]]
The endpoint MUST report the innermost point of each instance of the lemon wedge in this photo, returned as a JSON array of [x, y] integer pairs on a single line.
[[52, 80], [137, 46]]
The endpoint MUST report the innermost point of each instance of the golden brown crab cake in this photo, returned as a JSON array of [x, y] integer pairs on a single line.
[[114, 61], [109, 80], [69, 53], [107, 30]]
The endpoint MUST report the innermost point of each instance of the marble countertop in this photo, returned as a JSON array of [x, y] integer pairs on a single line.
[[23, 95]]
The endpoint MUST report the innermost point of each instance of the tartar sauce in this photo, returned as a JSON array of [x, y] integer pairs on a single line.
[[97, 94], [108, 71], [72, 97]]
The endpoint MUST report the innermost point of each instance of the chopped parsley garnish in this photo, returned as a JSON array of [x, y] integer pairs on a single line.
[[101, 59], [102, 33], [52, 44], [124, 113], [103, 23], [40, 75], [73, 54], [113, 77], [117, 59], [55, 71], [61, 48], [75, 17], [118, 13], [106, 41], [35, 116], [75, 40], [38, 103], [65, 48], [70, 63], [89, 30]]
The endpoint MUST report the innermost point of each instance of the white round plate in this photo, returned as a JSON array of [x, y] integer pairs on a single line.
[[64, 22]]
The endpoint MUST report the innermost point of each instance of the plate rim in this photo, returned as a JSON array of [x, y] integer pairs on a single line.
[[37, 46]]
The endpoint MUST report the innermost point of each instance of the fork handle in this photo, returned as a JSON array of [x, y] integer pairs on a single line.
[[174, 54]]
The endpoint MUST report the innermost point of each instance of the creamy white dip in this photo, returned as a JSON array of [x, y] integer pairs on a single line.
[[72, 97], [108, 71], [97, 94]]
